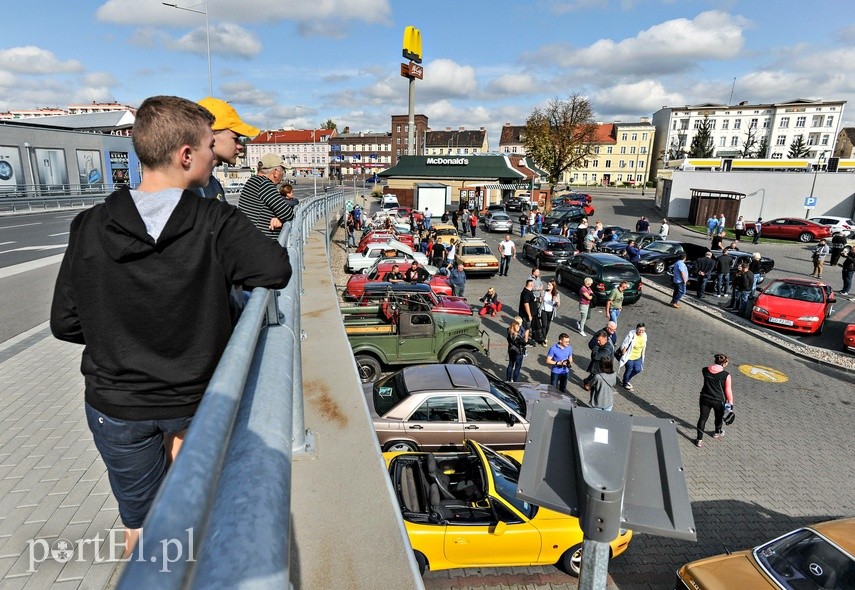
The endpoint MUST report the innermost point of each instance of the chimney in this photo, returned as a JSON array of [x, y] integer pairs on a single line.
[[480, 129]]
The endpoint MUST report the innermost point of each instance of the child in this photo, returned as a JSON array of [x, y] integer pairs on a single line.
[[144, 285]]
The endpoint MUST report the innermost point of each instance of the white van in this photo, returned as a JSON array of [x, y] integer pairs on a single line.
[[389, 202]]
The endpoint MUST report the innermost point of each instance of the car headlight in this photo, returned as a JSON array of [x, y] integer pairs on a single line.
[[808, 318], [759, 309]]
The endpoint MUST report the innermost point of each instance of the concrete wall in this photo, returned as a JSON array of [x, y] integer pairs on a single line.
[[772, 194]]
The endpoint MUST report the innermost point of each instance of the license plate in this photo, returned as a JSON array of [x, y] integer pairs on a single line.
[[482, 264], [781, 321]]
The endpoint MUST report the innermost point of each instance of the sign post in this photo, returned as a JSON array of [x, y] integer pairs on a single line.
[[413, 52]]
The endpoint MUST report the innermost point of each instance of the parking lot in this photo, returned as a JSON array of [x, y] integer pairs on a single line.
[[785, 461]]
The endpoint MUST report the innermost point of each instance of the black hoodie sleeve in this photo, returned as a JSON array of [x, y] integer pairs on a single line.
[[248, 256], [64, 321]]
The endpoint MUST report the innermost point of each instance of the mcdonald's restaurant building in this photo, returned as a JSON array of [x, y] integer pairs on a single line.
[[456, 182]]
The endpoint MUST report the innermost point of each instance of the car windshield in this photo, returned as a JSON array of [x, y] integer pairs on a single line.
[[446, 231], [474, 250], [626, 237], [389, 392], [560, 246], [500, 217], [510, 396], [803, 560], [506, 475], [662, 247], [620, 272], [809, 293]]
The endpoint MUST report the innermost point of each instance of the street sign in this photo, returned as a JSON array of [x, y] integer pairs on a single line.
[[412, 70], [761, 373], [810, 202]]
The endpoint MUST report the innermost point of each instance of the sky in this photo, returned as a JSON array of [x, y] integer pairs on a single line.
[[297, 63]]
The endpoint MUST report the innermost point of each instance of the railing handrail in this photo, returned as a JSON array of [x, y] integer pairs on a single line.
[[228, 448]]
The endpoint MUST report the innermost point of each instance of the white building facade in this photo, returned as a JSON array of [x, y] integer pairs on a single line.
[[735, 127]]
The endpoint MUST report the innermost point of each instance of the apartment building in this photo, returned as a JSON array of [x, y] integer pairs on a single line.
[[460, 142], [305, 152], [745, 127], [358, 155], [511, 139], [401, 135], [621, 155]]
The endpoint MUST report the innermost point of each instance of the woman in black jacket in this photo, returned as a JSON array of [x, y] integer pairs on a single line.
[[715, 395]]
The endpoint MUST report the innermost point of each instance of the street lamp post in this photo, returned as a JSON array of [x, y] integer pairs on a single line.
[[819, 162], [207, 36]]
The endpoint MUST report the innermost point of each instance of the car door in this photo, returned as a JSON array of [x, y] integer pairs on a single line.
[[415, 336], [435, 424], [488, 421]]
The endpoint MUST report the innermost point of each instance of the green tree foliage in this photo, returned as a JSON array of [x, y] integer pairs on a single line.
[[702, 142], [560, 136], [763, 149], [329, 124], [798, 149]]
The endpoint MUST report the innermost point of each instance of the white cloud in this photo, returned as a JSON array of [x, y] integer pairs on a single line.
[[35, 60], [226, 39], [445, 78], [511, 84], [565, 6], [638, 98], [246, 94]]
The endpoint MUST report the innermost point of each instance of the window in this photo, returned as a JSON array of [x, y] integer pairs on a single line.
[[781, 140], [753, 124], [722, 141], [623, 136], [593, 178], [766, 123], [641, 163], [785, 122], [482, 409], [585, 178], [440, 408], [800, 121], [623, 149], [622, 164], [620, 177], [575, 176], [734, 141], [816, 121], [737, 124], [609, 150], [608, 163], [635, 137], [724, 124], [398, 130], [825, 139], [697, 124], [632, 150], [596, 149], [596, 163], [644, 137], [398, 140], [684, 124], [829, 120], [642, 150]]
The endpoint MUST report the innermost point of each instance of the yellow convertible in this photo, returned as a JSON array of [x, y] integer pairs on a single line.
[[461, 510]]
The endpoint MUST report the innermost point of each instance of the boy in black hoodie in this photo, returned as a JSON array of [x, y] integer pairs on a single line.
[[144, 285]]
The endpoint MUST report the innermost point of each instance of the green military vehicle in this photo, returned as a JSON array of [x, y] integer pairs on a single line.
[[386, 335]]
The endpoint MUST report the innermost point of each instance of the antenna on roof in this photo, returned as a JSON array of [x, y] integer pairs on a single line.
[[732, 86]]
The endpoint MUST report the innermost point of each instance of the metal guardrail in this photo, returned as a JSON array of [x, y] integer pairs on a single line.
[[222, 516]]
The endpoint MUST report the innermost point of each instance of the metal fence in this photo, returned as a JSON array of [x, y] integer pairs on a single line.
[[222, 516]]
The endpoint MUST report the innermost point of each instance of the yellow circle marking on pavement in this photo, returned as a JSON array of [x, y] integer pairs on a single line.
[[761, 373]]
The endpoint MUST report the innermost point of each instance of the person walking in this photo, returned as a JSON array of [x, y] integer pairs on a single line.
[[427, 218], [438, 254], [455, 217], [758, 229], [491, 303], [523, 223], [681, 278], [451, 254], [848, 270], [602, 386], [739, 227], [838, 243], [538, 222], [614, 304], [508, 251], [631, 353], [723, 265], [663, 231], [601, 347], [351, 230], [517, 342], [642, 225], [820, 251], [560, 360], [716, 396], [549, 303], [712, 224], [586, 295], [457, 279], [721, 226], [473, 222], [704, 267]]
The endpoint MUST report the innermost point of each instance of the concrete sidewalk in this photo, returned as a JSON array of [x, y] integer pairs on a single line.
[[53, 485]]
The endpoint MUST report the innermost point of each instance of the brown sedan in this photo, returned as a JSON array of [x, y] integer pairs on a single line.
[[438, 407]]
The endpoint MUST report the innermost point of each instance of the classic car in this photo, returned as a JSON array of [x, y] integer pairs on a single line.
[[461, 510], [438, 407], [476, 257], [358, 261], [795, 305], [413, 297], [356, 283]]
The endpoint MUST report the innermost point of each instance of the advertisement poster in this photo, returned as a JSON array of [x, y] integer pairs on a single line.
[[89, 169], [119, 167], [11, 172], [51, 168]]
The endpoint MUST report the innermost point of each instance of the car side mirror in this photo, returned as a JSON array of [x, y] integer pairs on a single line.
[[511, 420], [499, 528]]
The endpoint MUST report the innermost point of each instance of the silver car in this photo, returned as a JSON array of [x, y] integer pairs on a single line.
[[498, 221]]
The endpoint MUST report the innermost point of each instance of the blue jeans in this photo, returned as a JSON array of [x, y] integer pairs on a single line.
[[744, 297], [559, 380], [136, 460], [505, 264], [679, 291], [722, 279], [515, 362], [702, 285], [613, 314], [633, 368], [522, 230]]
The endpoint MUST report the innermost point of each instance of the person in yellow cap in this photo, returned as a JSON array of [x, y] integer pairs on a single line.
[[228, 128]]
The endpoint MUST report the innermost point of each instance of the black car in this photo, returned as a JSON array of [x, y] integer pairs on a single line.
[[516, 204], [606, 270], [548, 250], [561, 215], [642, 239], [738, 256], [657, 257]]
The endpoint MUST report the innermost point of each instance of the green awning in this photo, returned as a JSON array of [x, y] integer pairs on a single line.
[[451, 167]]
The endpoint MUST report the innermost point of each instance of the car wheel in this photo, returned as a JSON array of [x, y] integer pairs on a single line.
[[806, 237], [422, 561], [400, 446], [461, 357], [819, 330], [571, 561], [369, 368], [659, 267], [749, 233]]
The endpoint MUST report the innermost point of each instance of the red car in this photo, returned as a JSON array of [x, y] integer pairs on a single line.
[[404, 213], [413, 296], [790, 228], [381, 236], [795, 305], [356, 283], [849, 338]]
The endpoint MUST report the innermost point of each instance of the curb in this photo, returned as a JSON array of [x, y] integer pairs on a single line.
[[750, 328]]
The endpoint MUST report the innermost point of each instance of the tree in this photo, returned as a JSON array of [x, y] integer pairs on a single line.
[[798, 149], [763, 150], [329, 124], [561, 136], [749, 143], [702, 142]]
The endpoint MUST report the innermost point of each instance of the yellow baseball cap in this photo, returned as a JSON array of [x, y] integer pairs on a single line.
[[226, 117]]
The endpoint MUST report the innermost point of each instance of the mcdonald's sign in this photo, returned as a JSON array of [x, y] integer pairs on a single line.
[[413, 44]]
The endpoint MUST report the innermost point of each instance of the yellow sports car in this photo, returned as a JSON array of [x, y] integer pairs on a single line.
[[461, 510], [818, 556]]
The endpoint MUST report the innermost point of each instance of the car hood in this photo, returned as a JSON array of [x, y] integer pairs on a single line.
[[738, 570], [648, 255], [457, 304], [789, 308]]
